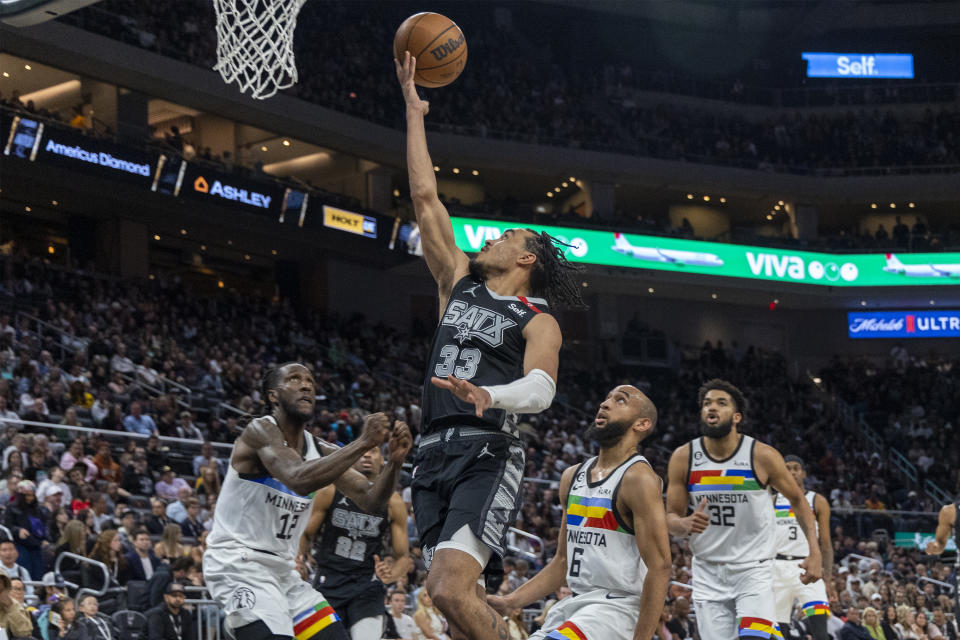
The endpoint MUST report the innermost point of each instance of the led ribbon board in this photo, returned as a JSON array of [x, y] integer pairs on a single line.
[[858, 65], [615, 249], [903, 324]]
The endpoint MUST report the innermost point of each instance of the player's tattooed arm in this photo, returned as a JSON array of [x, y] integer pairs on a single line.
[[374, 496], [945, 522], [640, 493], [769, 461], [266, 440]]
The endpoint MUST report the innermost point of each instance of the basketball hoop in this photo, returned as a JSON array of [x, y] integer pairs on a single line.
[[255, 44]]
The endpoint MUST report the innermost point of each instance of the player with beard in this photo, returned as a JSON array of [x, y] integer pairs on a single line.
[[718, 494], [275, 468], [495, 354], [348, 551], [814, 598], [613, 549]]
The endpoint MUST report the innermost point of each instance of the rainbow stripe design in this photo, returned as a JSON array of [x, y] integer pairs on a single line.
[[595, 513], [309, 623], [567, 631], [784, 511], [758, 628], [816, 608], [723, 480]]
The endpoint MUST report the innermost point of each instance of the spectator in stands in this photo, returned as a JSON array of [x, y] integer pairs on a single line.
[[157, 520], [107, 468], [79, 396], [139, 422], [680, 623], [400, 626], [63, 617], [208, 455], [924, 628], [218, 431], [136, 478], [74, 456], [156, 455], [14, 621], [73, 539], [120, 362], [101, 406], [169, 621], [6, 414], [18, 591], [187, 429], [852, 629], [430, 622], [108, 550], [142, 561], [26, 524], [170, 485], [177, 510], [871, 622], [128, 525], [18, 445], [8, 561], [208, 482], [53, 483], [92, 624], [191, 525], [164, 575], [169, 547], [889, 622]]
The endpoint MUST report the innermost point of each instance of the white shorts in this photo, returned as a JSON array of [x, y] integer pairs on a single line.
[[252, 585], [788, 589], [596, 615], [734, 600]]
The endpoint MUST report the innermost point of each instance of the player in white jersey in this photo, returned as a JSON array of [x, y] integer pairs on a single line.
[[791, 548], [264, 505], [613, 549], [723, 479]]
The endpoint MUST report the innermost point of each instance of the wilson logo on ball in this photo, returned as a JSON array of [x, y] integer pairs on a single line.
[[445, 49]]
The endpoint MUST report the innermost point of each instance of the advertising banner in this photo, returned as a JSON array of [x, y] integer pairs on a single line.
[[858, 65], [730, 260], [228, 190], [903, 324], [917, 540], [349, 221]]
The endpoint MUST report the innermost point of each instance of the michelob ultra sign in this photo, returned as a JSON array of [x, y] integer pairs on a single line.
[[627, 250], [903, 324]]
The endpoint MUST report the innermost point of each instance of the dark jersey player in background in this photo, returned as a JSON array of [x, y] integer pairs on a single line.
[[349, 550], [495, 354]]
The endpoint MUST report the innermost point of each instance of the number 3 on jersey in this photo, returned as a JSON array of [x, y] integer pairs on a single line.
[[450, 354]]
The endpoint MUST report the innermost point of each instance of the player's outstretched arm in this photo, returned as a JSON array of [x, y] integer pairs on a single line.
[[821, 510], [265, 439], [373, 496], [678, 522], [399, 541], [552, 576], [447, 263], [945, 523], [769, 460], [640, 493]]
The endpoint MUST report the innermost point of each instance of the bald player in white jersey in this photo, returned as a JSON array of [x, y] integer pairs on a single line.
[[613, 549], [264, 506], [722, 481]]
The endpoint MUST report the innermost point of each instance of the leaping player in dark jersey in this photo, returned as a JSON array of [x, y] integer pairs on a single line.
[[349, 548], [949, 520], [495, 354]]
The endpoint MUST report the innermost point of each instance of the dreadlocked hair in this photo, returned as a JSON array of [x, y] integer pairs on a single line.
[[270, 381], [552, 276]]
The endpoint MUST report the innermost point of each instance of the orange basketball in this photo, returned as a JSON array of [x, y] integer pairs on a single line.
[[438, 45]]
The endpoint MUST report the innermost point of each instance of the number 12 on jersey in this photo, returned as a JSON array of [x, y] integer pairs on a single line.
[[287, 525]]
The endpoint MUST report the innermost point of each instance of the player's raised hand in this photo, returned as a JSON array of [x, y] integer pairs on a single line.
[[406, 70], [466, 391], [698, 520], [383, 569], [812, 571], [933, 548], [376, 429], [400, 442]]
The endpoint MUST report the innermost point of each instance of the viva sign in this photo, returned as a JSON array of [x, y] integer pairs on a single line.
[[729, 260]]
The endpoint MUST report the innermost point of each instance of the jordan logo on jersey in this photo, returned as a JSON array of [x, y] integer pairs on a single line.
[[472, 321], [472, 290]]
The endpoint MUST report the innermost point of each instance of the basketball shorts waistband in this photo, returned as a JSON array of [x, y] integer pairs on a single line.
[[461, 433]]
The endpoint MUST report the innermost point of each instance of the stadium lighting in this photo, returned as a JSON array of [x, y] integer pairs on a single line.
[[706, 198], [456, 170], [713, 295], [475, 172], [396, 193], [933, 302], [650, 290], [203, 247], [873, 205], [863, 303], [769, 217], [780, 202], [549, 194], [689, 196], [572, 179], [246, 256], [263, 147], [286, 143], [6, 75], [893, 205], [51, 251], [273, 251], [723, 200], [776, 207], [54, 202], [156, 237], [183, 232], [220, 284], [27, 67], [557, 189], [912, 205], [436, 168], [564, 185]]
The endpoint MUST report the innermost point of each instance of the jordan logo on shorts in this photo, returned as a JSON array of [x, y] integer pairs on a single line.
[[485, 451]]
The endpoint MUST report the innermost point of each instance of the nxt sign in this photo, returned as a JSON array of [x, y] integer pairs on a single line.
[[229, 192], [349, 221]]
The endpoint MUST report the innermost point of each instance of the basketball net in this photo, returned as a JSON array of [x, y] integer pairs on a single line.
[[255, 44]]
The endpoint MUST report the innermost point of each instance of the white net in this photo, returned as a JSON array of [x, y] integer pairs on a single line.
[[255, 44]]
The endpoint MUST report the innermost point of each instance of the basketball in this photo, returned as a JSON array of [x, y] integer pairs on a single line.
[[438, 45]]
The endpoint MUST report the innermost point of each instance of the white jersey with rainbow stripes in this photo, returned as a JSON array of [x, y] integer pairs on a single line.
[[790, 538], [601, 548], [740, 508]]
